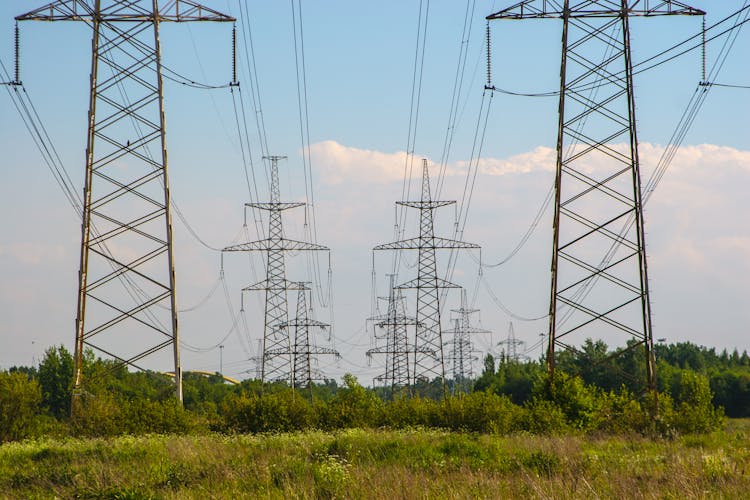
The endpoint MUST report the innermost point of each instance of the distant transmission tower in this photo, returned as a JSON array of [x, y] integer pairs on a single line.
[[303, 350], [462, 353], [599, 274], [126, 293], [276, 362], [428, 353], [397, 349], [511, 345]]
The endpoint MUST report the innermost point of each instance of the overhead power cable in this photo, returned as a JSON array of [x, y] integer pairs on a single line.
[[458, 81], [310, 226], [644, 65], [414, 109]]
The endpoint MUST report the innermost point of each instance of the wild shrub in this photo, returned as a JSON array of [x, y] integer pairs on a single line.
[[56, 381], [20, 400], [621, 413], [403, 412], [580, 403], [542, 416], [279, 412], [141, 416], [694, 410], [480, 412], [351, 406], [96, 415]]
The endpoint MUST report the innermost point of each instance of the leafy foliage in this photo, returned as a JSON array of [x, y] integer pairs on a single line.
[[20, 400], [509, 396]]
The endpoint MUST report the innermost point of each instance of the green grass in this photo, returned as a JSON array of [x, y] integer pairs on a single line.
[[381, 464]]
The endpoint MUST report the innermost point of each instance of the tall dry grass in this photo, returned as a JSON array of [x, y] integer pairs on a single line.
[[416, 463]]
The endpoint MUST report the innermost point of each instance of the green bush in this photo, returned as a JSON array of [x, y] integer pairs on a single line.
[[480, 412], [141, 416], [542, 416], [56, 381], [279, 412], [621, 413], [405, 412], [695, 412], [96, 415], [352, 406], [580, 403], [20, 400]]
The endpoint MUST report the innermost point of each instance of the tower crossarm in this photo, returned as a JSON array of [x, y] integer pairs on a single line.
[[274, 285], [419, 283], [124, 11], [408, 349], [308, 350], [419, 243], [555, 9], [464, 310], [275, 206], [470, 330], [275, 244], [425, 204], [398, 320], [302, 322]]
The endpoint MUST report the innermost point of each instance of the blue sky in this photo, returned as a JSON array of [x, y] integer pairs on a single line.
[[360, 58]]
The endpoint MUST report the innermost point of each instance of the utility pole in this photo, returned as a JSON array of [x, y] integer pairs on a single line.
[[126, 291], [599, 274], [429, 361], [462, 354], [276, 357]]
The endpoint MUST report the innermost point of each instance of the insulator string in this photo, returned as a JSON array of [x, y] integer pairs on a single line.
[[489, 57]]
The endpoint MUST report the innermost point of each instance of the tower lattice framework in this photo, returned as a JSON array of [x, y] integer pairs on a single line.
[[276, 360], [126, 295], [510, 346], [397, 349], [462, 354], [600, 283], [304, 351], [428, 361]]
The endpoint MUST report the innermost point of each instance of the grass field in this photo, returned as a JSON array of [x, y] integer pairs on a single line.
[[381, 464]]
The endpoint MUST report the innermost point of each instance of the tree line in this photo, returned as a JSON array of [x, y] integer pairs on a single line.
[[696, 387]]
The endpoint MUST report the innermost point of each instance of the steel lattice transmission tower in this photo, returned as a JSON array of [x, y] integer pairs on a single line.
[[303, 350], [599, 273], [126, 298], [276, 362], [462, 353], [428, 346], [511, 344], [397, 349]]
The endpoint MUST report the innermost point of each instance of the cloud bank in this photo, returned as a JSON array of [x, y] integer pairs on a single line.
[[338, 163]]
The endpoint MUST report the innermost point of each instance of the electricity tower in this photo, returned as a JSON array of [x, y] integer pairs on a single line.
[[510, 346], [276, 361], [429, 361], [599, 274], [397, 349], [126, 290], [462, 353], [303, 350]]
